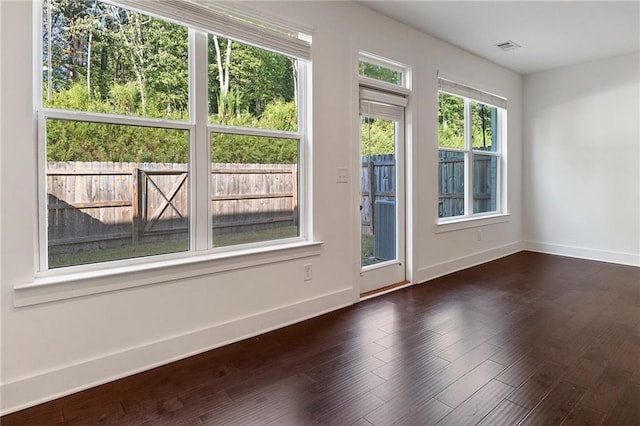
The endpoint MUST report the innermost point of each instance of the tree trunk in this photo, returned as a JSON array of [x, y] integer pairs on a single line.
[[89, 63], [135, 47], [223, 75]]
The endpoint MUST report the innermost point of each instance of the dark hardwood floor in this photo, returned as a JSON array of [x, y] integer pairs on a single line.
[[529, 339]]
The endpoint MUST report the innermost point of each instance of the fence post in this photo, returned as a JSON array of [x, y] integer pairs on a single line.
[[294, 189], [137, 226], [372, 194]]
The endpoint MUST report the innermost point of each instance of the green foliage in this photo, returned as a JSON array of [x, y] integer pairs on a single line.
[[260, 77], [379, 73], [80, 141], [226, 148], [228, 107], [378, 136], [450, 121], [256, 77], [279, 115], [123, 99], [481, 127], [107, 59]]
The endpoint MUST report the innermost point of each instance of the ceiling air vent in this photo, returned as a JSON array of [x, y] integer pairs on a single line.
[[508, 45]]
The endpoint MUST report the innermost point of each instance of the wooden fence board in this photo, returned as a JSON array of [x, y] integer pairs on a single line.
[[93, 201]]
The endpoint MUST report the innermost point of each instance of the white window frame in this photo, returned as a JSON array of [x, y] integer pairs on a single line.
[[470, 218], [199, 168], [403, 88]]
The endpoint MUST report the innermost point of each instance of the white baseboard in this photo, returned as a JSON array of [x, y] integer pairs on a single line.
[[431, 272], [49, 385], [584, 253]]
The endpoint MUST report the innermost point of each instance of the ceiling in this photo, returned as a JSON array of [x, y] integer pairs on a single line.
[[551, 33]]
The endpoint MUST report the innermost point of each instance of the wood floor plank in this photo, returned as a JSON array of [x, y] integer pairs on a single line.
[[532, 391], [627, 410], [506, 413], [556, 406], [606, 392], [520, 371], [462, 346], [345, 411], [584, 417], [426, 414], [529, 338], [472, 410], [468, 384]]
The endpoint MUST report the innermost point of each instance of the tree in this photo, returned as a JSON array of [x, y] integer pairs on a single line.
[[106, 59], [379, 73], [377, 136], [249, 78], [450, 121]]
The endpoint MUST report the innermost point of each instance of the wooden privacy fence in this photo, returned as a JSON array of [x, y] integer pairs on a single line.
[[451, 183], [378, 177], [92, 202], [377, 182]]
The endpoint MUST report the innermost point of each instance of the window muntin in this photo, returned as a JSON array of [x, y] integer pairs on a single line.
[[469, 157], [153, 142]]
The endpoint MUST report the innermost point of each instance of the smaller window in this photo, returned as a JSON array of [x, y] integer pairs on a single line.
[[381, 70], [469, 152]]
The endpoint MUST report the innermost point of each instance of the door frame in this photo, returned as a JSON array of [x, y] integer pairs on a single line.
[[379, 277]]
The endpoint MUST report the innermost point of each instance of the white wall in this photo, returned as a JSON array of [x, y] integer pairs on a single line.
[[54, 348], [582, 160]]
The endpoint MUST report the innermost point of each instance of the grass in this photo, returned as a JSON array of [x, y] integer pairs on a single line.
[[367, 250], [164, 247], [224, 240]]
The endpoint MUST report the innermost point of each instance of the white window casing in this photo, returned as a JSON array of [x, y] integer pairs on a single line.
[[224, 21], [201, 19], [471, 93], [469, 218]]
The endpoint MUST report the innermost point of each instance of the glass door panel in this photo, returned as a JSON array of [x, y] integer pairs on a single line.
[[382, 195]]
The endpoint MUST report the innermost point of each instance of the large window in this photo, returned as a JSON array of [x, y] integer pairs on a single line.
[[470, 139], [147, 124]]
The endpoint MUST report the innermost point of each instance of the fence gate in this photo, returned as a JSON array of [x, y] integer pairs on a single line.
[[159, 188]]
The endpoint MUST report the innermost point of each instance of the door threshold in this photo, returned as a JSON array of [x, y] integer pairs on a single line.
[[384, 290]]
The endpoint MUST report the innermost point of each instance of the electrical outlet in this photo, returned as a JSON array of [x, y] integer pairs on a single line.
[[342, 175], [307, 272]]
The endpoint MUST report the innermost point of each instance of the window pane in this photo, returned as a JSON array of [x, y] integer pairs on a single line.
[[378, 190], [379, 72], [255, 189], [485, 178], [102, 58], [115, 192], [450, 121], [483, 127], [450, 183], [251, 87]]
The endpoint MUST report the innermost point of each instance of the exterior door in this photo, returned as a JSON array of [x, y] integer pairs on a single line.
[[382, 194]]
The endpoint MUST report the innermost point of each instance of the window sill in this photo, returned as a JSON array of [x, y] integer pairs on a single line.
[[469, 222], [61, 287]]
